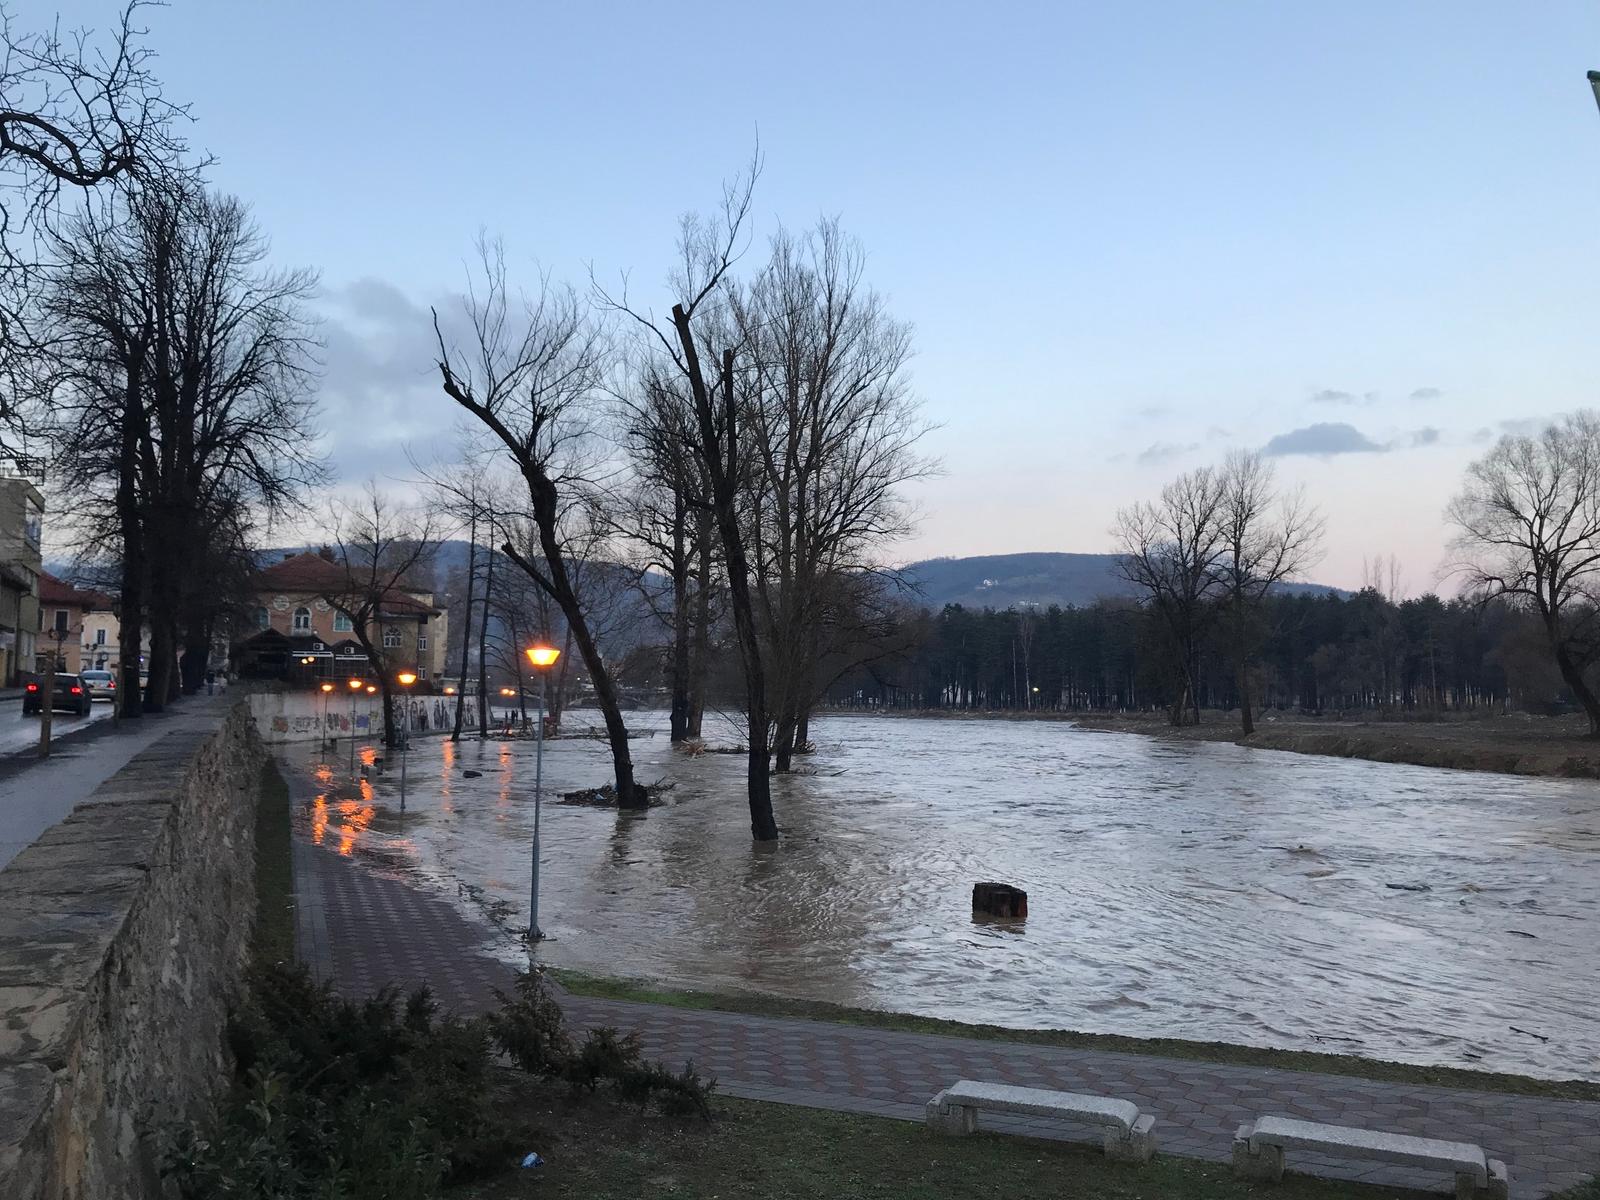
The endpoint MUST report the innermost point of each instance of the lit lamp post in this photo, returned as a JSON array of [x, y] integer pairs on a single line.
[[327, 688], [406, 679], [355, 688], [542, 657]]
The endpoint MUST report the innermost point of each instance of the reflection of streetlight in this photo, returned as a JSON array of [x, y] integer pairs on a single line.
[[355, 686], [326, 688], [406, 678], [541, 657]]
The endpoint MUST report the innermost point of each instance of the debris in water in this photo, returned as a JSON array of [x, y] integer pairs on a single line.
[[532, 1160], [1528, 1033], [472, 774], [1520, 933], [1408, 887]]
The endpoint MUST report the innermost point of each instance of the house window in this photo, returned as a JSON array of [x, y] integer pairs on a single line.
[[422, 641], [62, 617], [422, 672], [99, 637], [302, 620], [263, 619], [342, 623], [391, 638]]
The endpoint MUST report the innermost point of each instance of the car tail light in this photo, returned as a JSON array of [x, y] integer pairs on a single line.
[[33, 687], [77, 691]]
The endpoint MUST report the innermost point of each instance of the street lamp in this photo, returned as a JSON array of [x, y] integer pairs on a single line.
[[355, 686], [1594, 83], [542, 657], [406, 679], [326, 688]]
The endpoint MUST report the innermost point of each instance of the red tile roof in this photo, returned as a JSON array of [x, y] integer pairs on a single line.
[[61, 594], [312, 573]]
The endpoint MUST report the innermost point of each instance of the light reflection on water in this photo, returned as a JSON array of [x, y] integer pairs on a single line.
[[1194, 891]]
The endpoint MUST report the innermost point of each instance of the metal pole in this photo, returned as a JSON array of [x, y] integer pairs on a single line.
[[352, 732], [538, 785], [405, 744]]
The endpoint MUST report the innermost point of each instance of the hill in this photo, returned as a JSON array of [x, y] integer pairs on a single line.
[[1042, 578]]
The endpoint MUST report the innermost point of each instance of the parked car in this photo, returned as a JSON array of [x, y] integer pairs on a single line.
[[102, 684], [71, 694]]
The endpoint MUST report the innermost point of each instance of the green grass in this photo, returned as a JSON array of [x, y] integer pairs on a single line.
[[1220, 1052], [598, 1150], [273, 938]]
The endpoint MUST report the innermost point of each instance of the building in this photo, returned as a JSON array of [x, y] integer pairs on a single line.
[[21, 527], [298, 616], [64, 613]]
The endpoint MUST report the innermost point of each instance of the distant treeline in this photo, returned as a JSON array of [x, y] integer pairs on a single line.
[[1320, 653]]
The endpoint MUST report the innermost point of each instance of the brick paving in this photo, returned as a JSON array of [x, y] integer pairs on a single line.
[[363, 929]]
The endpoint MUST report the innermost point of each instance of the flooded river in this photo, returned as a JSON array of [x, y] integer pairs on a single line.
[[1200, 891]]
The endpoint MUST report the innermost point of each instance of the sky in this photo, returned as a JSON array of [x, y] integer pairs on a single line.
[[1358, 237]]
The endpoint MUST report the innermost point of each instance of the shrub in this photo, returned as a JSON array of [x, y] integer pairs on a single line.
[[529, 1030], [344, 1100]]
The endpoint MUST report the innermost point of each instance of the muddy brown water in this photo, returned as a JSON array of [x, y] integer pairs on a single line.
[[1201, 891]]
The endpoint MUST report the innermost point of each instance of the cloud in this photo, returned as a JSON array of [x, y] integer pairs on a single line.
[[1216, 433], [1323, 439], [1426, 393], [1426, 436], [1335, 396], [379, 391], [1160, 452], [1524, 426], [1152, 412]]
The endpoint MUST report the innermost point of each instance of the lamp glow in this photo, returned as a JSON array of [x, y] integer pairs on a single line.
[[543, 656], [407, 678]]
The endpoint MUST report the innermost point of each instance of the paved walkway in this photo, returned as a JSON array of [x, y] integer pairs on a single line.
[[363, 928]]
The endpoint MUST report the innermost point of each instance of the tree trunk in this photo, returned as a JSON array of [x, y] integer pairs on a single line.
[[802, 733], [702, 631], [466, 632], [679, 719], [1572, 676], [483, 636], [1246, 716], [783, 744]]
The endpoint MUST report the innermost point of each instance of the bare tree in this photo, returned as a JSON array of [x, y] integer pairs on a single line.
[[78, 115], [382, 551], [180, 394], [1267, 536], [1528, 522], [706, 377], [831, 428], [1170, 551], [533, 383]]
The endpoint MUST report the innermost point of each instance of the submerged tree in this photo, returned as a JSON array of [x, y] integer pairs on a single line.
[[532, 381]]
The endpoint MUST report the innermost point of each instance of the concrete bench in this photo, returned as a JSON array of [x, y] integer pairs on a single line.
[[1258, 1151], [1128, 1136]]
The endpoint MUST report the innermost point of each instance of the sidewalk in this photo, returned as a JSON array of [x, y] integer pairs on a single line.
[[363, 929]]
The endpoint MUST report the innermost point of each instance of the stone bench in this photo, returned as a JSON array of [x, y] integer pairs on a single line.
[[1128, 1136], [1258, 1151]]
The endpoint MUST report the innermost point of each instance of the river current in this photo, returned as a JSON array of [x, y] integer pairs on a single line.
[[1200, 891]]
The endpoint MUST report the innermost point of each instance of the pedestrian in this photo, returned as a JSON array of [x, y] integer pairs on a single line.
[[211, 683]]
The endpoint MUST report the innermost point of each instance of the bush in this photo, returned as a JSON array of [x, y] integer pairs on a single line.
[[344, 1100], [381, 1099], [529, 1030]]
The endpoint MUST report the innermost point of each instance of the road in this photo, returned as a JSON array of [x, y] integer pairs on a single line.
[[20, 733], [35, 794]]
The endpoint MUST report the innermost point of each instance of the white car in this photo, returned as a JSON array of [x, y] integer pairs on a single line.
[[102, 684]]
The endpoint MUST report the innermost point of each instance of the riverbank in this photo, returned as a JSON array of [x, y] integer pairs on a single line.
[[1510, 744]]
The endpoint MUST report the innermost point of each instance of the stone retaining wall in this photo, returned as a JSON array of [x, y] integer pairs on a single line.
[[123, 937]]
